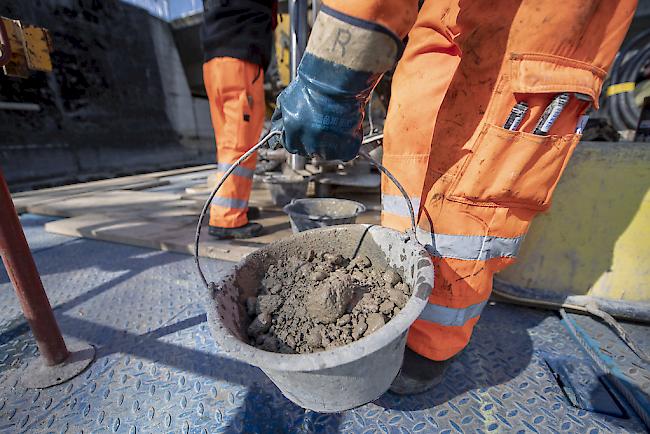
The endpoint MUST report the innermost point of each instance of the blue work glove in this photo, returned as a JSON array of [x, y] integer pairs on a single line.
[[322, 109]]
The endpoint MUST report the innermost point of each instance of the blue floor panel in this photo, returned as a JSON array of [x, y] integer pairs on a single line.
[[158, 369]]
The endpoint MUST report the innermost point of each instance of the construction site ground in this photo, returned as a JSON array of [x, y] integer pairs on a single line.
[[113, 256]]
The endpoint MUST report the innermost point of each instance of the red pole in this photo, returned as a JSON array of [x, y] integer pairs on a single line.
[[22, 271]]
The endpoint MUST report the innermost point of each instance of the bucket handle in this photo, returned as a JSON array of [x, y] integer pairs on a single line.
[[216, 188], [251, 151], [372, 138], [365, 155]]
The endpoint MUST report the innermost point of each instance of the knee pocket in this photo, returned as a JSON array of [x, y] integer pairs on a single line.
[[519, 169]]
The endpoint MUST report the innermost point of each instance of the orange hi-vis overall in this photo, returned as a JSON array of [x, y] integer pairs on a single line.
[[235, 90], [475, 185]]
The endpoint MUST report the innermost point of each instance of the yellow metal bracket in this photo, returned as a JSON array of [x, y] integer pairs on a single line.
[[24, 48], [282, 53]]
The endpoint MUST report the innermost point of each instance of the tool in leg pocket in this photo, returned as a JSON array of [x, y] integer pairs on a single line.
[[550, 115], [516, 116]]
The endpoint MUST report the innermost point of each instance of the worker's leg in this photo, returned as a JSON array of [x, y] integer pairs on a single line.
[[415, 103], [480, 186], [236, 94]]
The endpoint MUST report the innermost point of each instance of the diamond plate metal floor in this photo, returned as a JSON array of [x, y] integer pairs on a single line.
[[158, 369]]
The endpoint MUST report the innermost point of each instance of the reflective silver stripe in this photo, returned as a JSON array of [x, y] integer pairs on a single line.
[[228, 202], [239, 170], [449, 316], [469, 247], [396, 204]]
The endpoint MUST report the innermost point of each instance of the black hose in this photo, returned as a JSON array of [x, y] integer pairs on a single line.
[[630, 60]]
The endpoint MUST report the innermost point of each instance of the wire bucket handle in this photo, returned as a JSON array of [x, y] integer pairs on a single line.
[[362, 153]]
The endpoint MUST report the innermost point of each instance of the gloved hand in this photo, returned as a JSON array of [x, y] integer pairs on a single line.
[[322, 109], [318, 121]]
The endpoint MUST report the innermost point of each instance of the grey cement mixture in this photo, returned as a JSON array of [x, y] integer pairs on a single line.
[[321, 302]]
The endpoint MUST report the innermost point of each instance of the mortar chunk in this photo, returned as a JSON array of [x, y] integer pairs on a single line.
[[397, 296], [361, 262], [328, 301], [391, 277], [343, 320], [336, 260], [260, 325], [268, 303], [382, 294], [318, 275], [404, 288], [359, 328], [358, 276], [386, 307], [368, 303], [375, 322], [314, 338]]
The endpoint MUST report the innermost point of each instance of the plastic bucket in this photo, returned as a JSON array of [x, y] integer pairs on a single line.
[[345, 377], [305, 214], [285, 188]]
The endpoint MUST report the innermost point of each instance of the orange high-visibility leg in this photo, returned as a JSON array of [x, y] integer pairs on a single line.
[[236, 93], [476, 185]]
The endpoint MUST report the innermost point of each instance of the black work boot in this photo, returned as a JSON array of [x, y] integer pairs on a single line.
[[418, 374], [249, 230], [253, 213]]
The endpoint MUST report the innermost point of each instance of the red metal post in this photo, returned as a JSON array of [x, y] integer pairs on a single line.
[[22, 271]]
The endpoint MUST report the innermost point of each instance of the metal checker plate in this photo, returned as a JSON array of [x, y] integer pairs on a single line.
[[158, 369]]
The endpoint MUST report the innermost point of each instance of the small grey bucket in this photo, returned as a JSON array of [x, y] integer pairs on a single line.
[[305, 214], [284, 188]]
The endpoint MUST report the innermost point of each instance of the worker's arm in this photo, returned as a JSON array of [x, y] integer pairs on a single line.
[[351, 45]]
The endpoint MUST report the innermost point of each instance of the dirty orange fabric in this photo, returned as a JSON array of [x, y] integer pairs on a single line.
[[235, 91], [476, 186]]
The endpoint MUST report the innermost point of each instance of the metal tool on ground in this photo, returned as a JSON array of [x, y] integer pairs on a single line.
[[610, 370], [57, 363], [344, 377], [594, 310]]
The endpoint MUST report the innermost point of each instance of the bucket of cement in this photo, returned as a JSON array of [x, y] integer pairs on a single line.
[[305, 214], [337, 378], [284, 188]]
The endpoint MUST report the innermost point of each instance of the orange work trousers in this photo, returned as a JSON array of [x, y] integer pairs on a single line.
[[235, 90], [475, 185]]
